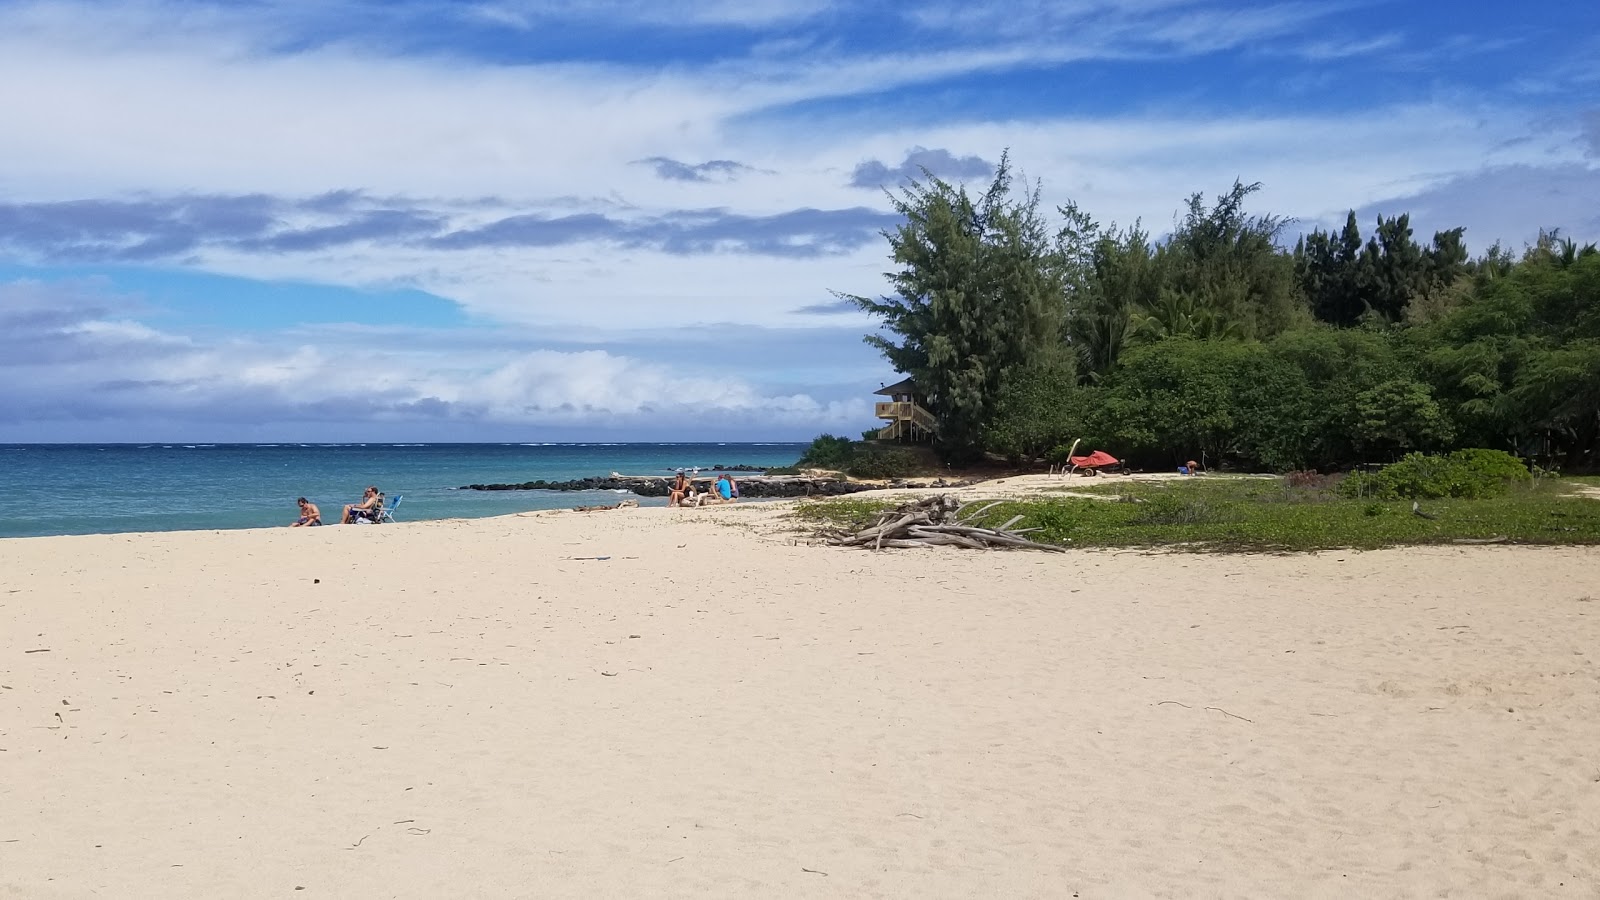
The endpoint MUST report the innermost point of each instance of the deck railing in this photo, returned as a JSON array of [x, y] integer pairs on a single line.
[[901, 411]]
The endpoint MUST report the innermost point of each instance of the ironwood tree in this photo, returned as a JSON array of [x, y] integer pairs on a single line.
[[978, 293]]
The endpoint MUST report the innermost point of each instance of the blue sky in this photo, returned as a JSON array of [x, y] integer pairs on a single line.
[[554, 219]]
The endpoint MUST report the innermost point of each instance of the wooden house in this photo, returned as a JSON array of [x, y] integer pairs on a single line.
[[909, 419]]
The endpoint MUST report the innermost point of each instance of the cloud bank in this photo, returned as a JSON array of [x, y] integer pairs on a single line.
[[76, 354]]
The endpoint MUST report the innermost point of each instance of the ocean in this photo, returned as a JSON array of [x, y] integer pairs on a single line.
[[49, 489]]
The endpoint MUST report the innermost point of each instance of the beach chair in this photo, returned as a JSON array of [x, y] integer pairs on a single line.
[[386, 511]]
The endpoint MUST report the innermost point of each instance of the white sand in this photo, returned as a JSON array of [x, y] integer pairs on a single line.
[[436, 718]]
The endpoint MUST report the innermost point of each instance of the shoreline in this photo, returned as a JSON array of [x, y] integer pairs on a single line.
[[1003, 487]]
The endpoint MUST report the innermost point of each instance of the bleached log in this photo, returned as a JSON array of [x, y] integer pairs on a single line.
[[938, 522]]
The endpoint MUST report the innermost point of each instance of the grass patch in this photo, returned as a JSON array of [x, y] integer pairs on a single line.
[[1268, 515], [842, 513]]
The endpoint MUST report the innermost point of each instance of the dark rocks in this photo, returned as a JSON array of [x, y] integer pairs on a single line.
[[662, 487], [806, 487], [647, 487]]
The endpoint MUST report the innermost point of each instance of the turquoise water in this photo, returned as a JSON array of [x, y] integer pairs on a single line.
[[50, 489]]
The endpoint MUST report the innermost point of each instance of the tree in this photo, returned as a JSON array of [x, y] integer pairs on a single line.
[[1114, 279], [1396, 266], [1559, 391], [1228, 263], [1332, 274], [978, 293], [1175, 400], [1346, 281], [1040, 407], [1397, 416], [1311, 427], [1181, 315]]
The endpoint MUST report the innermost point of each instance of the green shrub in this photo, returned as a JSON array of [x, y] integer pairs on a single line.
[[881, 462], [828, 452], [1462, 475], [1360, 485], [860, 460], [1496, 465], [1174, 510]]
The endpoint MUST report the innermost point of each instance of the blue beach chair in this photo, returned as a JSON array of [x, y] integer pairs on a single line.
[[386, 514]]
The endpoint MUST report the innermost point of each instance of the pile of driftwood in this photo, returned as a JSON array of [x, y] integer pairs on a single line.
[[941, 521]]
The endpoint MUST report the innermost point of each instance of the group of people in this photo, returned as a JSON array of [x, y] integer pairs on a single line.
[[684, 493], [368, 509]]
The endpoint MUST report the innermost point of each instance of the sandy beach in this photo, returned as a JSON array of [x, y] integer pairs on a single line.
[[717, 708]]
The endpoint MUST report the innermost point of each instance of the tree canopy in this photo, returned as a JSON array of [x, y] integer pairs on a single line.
[[1216, 339]]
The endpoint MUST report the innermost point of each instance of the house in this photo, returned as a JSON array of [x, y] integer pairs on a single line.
[[909, 419]]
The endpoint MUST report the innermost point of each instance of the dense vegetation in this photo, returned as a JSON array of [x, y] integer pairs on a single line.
[[857, 459], [1218, 341], [1270, 514]]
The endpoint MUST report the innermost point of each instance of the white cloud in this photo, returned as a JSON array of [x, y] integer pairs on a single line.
[[68, 353], [157, 98]]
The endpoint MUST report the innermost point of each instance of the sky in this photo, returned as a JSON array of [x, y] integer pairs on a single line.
[[553, 220]]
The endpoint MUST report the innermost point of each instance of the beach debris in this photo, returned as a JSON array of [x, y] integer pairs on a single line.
[[941, 521], [1231, 715], [589, 557], [624, 504]]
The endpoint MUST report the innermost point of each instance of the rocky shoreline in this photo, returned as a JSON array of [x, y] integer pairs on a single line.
[[650, 486]]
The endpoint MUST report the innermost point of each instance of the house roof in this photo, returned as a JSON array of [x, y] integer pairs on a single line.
[[906, 386]]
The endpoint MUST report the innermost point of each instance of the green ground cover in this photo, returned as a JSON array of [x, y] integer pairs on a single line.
[[1218, 513]]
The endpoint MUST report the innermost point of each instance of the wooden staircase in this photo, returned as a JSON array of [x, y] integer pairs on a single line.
[[907, 421]]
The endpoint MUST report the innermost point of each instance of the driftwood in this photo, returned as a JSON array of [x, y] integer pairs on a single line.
[[940, 521], [624, 504]]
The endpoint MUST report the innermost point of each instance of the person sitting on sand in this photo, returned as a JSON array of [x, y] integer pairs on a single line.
[[733, 486], [680, 489], [723, 488], [309, 514], [367, 509]]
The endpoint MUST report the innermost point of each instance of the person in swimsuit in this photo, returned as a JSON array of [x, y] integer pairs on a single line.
[[366, 509], [680, 490], [309, 514]]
